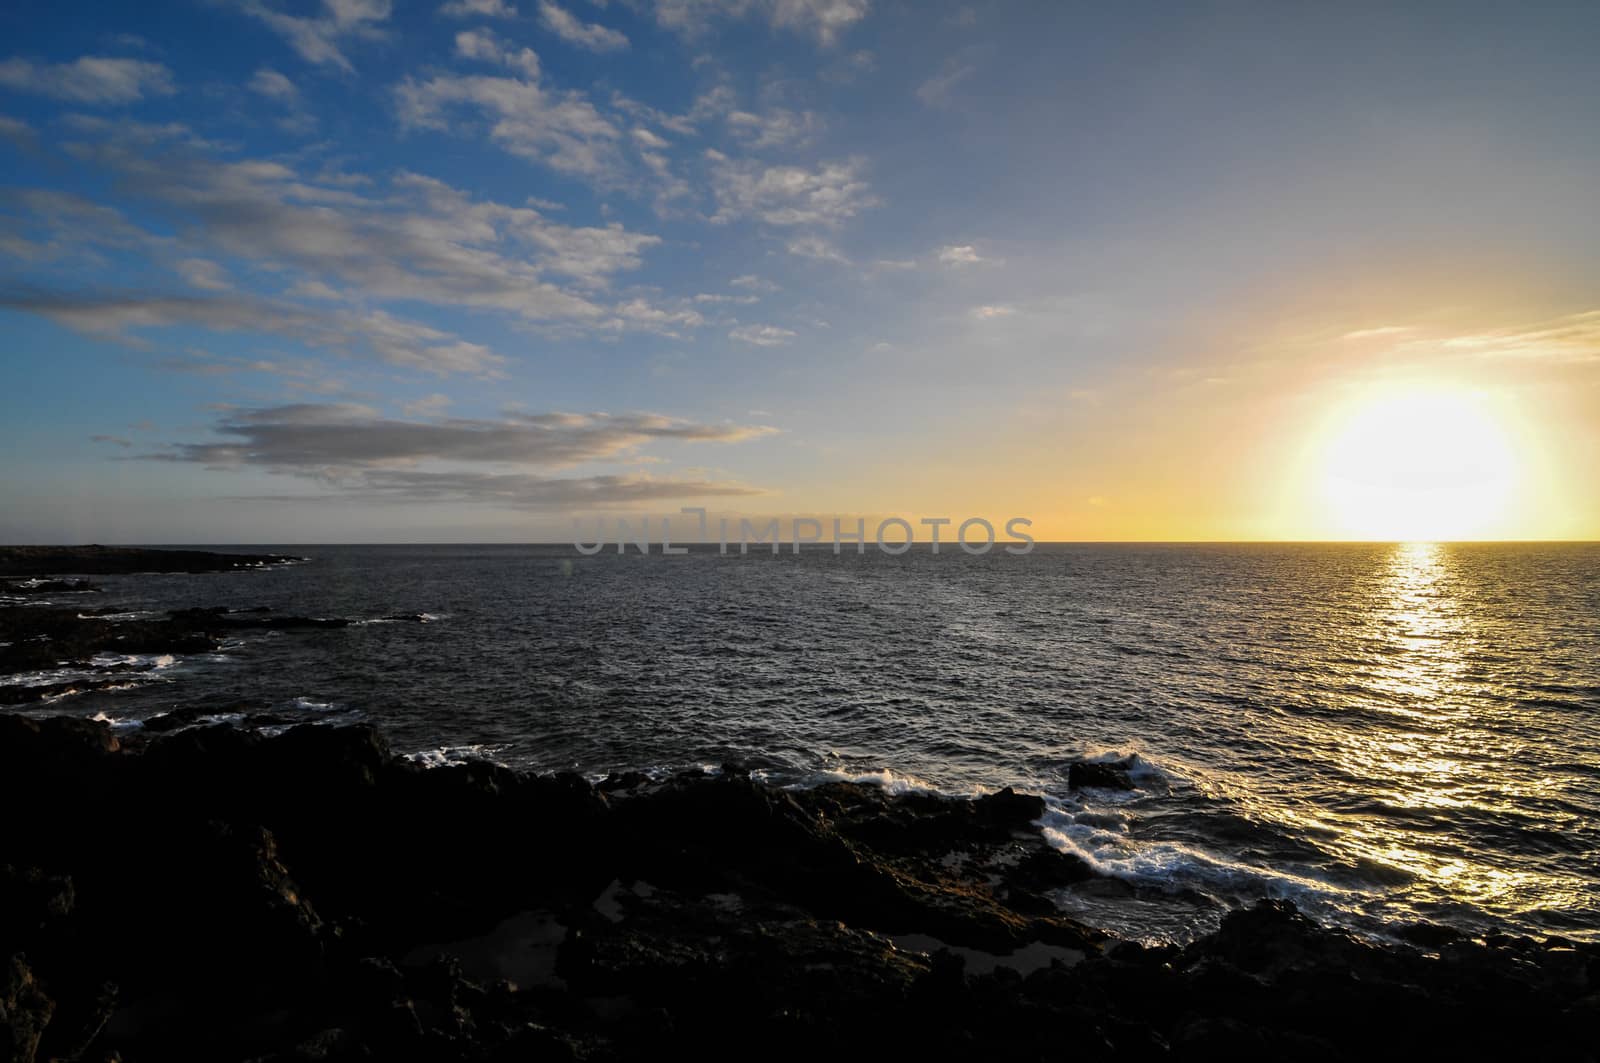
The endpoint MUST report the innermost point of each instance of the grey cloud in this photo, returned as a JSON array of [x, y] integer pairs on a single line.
[[319, 436], [92, 79], [394, 340], [351, 448]]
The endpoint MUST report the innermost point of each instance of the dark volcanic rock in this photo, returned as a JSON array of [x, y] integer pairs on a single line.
[[1105, 775], [118, 560], [213, 894]]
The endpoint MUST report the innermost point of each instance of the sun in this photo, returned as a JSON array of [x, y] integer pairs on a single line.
[[1419, 464]]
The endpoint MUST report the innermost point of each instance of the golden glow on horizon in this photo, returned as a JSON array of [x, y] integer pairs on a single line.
[[1418, 464]]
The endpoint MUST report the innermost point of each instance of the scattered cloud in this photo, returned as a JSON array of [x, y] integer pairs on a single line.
[[92, 79], [480, 8], [762, 335], [816, 247], [424, 241], [561, 130], [775, 129], [316, 38], [826, 195], [823, 19], [589, 35], [485, 46]]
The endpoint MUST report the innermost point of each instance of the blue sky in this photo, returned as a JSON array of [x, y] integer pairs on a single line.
[[361, 270]]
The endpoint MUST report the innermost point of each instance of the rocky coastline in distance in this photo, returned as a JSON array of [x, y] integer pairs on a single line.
[[214, 893], [96, 560]]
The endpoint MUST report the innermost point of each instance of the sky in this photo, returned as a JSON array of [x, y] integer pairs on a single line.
[[374, 271]]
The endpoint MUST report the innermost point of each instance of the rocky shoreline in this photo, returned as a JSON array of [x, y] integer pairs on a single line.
[[212, 893], [96, 560]]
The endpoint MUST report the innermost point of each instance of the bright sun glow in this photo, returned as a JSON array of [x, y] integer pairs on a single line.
[[1419, 465]]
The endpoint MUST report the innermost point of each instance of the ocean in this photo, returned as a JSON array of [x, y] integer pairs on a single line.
[[1380, 733]]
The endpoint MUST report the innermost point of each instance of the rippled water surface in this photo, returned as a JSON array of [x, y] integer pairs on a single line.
[[1381, 733]]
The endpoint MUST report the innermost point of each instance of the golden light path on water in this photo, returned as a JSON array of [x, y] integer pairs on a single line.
[[1438, 753]]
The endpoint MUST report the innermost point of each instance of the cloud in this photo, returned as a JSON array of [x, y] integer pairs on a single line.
[[92, 79], [274, 86], [752, 283], [116, 441], [486, 46], [816, 247], [481, 8], [823, 19], [561, 130], [762, 335], [204, 273], [775, 129], [426, 241], [788, 195], [964, 255], [989, 313], [316, 39], [935, 92], [428, 406], [1572, 340], [17, 131], [353, 451], [590, 35], [40, 224], [115, 314]]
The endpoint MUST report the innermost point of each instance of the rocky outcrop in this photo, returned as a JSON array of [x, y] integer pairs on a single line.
[[120, 560], [214, 894]]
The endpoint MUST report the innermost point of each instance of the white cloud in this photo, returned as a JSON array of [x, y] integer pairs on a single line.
[[316, 38], [817, 247], [788, 195], [92, 79], [774, 129], [561, 130], [762, 335], [485, 46], [823, 19], [989, 313], [960, 255], [590, 35], [752, 283]]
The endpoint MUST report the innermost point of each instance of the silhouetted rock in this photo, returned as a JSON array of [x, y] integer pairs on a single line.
[[215, 894], [1098, 774], [117, 560]]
